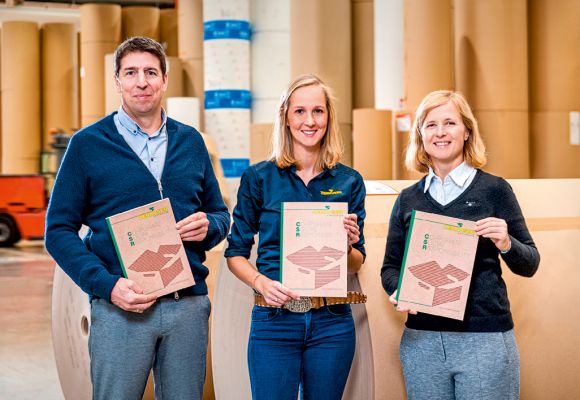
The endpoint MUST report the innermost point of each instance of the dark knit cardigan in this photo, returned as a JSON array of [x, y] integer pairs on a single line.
[[101, 175], [488, 308]]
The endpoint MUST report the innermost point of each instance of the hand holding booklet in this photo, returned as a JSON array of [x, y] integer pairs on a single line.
[[150, 249], [437, 265], [313, 254]]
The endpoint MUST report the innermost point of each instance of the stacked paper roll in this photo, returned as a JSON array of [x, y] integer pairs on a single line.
[[175, 80], [184, 109], [190, 42], [260, 142], [327, 21], [140, 21], [554, 35], [59, 58], [372, 131], [270, 49], [227, 84], [428, 44], [100, 35], [168, 31], [20, 92], [492, 71], [363, 54]]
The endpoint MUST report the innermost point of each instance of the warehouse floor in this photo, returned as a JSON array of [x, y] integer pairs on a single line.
[[27, 364]]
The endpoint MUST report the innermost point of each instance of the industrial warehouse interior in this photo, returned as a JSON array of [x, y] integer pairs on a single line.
[[517, 62]]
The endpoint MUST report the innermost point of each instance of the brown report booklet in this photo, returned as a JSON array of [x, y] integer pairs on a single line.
[[150, 249], [313, 248], [437, 265]]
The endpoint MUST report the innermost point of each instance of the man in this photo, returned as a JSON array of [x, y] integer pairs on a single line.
[[130, 158]]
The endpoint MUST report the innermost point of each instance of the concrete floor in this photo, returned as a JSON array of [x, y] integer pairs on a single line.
[[27, 365]]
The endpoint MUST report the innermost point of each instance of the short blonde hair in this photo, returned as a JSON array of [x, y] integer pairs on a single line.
[[417, 159], [331, 147]]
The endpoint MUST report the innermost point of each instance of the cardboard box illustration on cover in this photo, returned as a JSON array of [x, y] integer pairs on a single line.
[[150, 249], [437, 265], [314, 248]]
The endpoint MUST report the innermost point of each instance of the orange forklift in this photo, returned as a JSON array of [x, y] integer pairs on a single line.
[[23, 202]]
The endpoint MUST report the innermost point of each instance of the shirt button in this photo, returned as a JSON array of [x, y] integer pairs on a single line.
[[152, 158]]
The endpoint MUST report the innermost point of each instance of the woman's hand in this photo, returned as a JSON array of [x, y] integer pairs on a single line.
[[274, 292], [393, 300], [351, 227], [496, 230]]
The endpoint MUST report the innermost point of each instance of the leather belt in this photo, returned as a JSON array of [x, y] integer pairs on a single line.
[[307, 303]]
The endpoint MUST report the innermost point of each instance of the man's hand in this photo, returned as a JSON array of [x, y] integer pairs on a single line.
[[194, 227], [126, 294]]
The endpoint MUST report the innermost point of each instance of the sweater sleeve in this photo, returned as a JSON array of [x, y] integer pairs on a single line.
[[64, 218], [523, 257], [214, 207], [395, 249]]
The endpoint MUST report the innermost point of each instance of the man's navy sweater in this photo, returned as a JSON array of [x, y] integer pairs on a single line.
[[101, 175], [487, 307]]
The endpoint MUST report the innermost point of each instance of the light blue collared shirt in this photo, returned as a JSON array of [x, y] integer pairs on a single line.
[[454, 184], [151, 149]]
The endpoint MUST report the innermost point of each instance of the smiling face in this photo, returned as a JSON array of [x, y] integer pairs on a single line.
[[141, 85], [307, 118], [444, 136]]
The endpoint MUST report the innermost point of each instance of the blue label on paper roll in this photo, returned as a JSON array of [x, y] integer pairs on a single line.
[[231, 98], [234, 167], [227, 29]]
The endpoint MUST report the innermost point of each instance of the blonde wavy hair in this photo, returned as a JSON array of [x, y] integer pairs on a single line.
[[331, 146], [417, 159]]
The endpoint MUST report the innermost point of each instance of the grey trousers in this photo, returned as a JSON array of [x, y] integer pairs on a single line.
[[170, 337], [460, 365]]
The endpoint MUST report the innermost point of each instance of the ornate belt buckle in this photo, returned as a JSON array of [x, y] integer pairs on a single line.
[[299, 306]]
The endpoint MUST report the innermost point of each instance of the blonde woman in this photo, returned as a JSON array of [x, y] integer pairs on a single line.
[[476, 358], [288, 350]]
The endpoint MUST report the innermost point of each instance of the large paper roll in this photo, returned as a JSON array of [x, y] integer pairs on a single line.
[[491, 64], [93, 79], [327, 21], [175, 79], [372, 131], [168, 31], [554, 34], [112, 98], [227, 98], [428, 36], [363, 54], [58, 79], [71, 319], [260, 142], [140, 21], [100, 23], [20, 91], [100, 35]]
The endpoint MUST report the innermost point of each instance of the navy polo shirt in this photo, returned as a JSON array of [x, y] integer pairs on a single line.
[[264, 187]]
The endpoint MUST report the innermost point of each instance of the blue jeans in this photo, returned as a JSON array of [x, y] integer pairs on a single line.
[[170, 337], [460, 365], [313, 351]]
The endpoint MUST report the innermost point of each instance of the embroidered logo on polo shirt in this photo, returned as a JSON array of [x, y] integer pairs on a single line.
[[330, 192]]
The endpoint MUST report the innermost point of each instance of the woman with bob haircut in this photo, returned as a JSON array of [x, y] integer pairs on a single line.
[[289, 347], [477, 357]]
